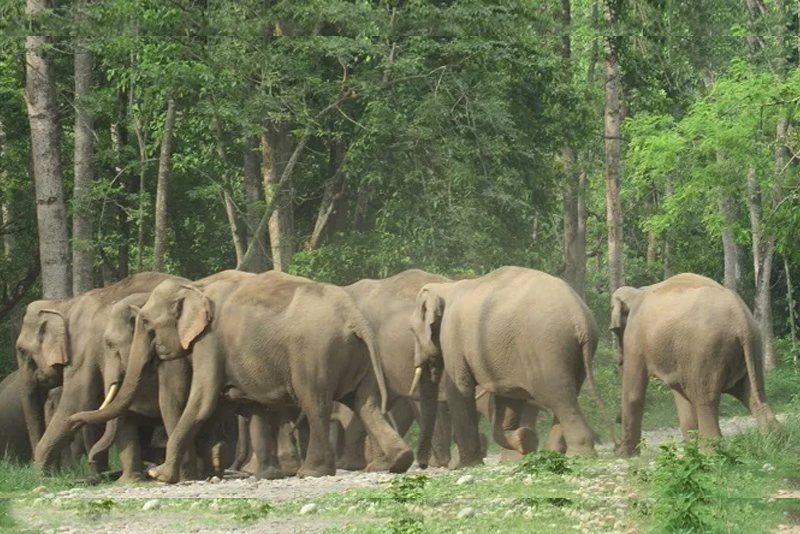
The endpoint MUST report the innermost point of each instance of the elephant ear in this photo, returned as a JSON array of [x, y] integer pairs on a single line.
[[621, 303], [53, 338], [133, 313], [432, 311], [193, 313]]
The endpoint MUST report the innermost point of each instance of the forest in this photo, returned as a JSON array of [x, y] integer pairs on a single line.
[[608, 143]]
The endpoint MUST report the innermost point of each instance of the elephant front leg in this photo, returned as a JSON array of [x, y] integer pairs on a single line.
[[634, 388], [264, 428], [465, 422], [130, 451], [174, 382]]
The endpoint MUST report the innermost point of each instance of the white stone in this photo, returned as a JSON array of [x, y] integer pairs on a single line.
[[215, 480], [466, 512], [309, 508], [768, 467], [39, 489], [152, 504], [466, 479]]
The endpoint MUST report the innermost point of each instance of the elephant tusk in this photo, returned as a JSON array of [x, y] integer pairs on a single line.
[[415, 383], [480, 394], [112, 392]]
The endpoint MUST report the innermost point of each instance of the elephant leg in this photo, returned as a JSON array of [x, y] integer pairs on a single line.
[[465, 422], [264, 440], [762, 411], [242, 444], [442, 437], [288, 457], [403, 414], [355, 436], [506, 429], [207, 382], [130, 450], [315, 400], [634, 388], [686, 414], [708, 417], [174, 382], [396, 457], [555, 437]]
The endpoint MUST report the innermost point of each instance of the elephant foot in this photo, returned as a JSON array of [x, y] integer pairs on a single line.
[[527, 440], [131, 477], [401, 462], [351, 463], [437, 461], [162, 473], [290, 469], [316, 471], [626, 452], [270, 473], [462, 464], [507, 455]]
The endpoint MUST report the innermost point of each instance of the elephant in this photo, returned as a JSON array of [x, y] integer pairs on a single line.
[[521, 335], [14, 443], [60, 344], [273, 339], [697, 337], [386, 304], [161, 396]]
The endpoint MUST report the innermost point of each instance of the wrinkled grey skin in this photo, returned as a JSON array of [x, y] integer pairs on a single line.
[[697, 337], [14, 443], [161, 394], [387, 304], [520, 334], [276, 340], [60, 344]]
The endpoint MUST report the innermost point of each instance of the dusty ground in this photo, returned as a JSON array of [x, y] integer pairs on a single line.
[[210, 512]]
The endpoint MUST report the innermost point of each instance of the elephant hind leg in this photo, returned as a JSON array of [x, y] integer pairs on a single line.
[[506, 427], [464, 413], [320, 458], [396, 456], [686, 414], [555, 438], [708, 417], [264, 428]]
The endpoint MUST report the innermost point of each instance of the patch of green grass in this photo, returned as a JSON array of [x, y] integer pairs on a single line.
[[18, 479], [6, 520]]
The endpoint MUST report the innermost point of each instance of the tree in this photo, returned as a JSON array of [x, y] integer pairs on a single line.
[[616, 251], [163, 179], [51, 213]]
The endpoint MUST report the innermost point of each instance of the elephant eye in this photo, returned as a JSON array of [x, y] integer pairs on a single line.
[[179, 309]]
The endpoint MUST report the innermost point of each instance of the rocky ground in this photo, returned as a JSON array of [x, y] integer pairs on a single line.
[[236, 504]]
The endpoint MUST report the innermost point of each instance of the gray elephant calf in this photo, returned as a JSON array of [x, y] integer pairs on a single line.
[[697, 337]]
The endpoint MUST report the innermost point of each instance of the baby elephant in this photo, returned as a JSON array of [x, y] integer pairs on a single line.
[[697, 337]]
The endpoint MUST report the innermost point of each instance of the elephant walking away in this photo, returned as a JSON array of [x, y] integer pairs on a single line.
[[521, 335], [697, 337], [276, 340]]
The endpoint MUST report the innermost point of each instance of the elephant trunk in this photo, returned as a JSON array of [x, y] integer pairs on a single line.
[[106, 440], [587, 348], [429, 404], [364, 331], [33, 410], [139, 358], [58, 433]]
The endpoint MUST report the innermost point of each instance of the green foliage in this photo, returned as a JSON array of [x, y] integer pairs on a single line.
[[407, 487], [544, 462], [406, 524], [253, 511], [95, 508]]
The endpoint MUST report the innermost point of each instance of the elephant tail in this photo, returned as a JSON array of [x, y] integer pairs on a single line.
[[361, 329], [106, 440], [751, 346], [587, 347]]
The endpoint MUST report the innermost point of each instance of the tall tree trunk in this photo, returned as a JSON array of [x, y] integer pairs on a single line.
[[227, 195], [652, 249], [790, 303], [580, 236], [333, 190], [82, 209], [120, 140], [730, 250], [754, 204], [6, 203], [277, 147], [161, 188], [616, 273], [142, 142], [51, 213], [361, 212], [253, 186]]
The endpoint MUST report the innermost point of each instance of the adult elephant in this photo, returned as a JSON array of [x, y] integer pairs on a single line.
[[14, 444], [277, 340], [697, 337], [61, 344], [386, 304], [522, 335], [161, 394]]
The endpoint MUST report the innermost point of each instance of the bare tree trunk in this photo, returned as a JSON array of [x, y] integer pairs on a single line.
[[652, 249], [253, 186], [361, 215], [790, 303], [51, 213], [141, 141], [731, 252], [120, 140], [616, 273], [6, 204], [580, 237], [333, 190], [161, 188], [277, 146], [82, 209], [227, 195]]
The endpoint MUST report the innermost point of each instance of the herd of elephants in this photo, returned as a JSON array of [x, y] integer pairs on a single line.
[[277, 375]]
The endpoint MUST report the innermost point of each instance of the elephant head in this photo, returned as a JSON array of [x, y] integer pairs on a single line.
[[426, 321], [622, 302], [174, 316], [42, 351]]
